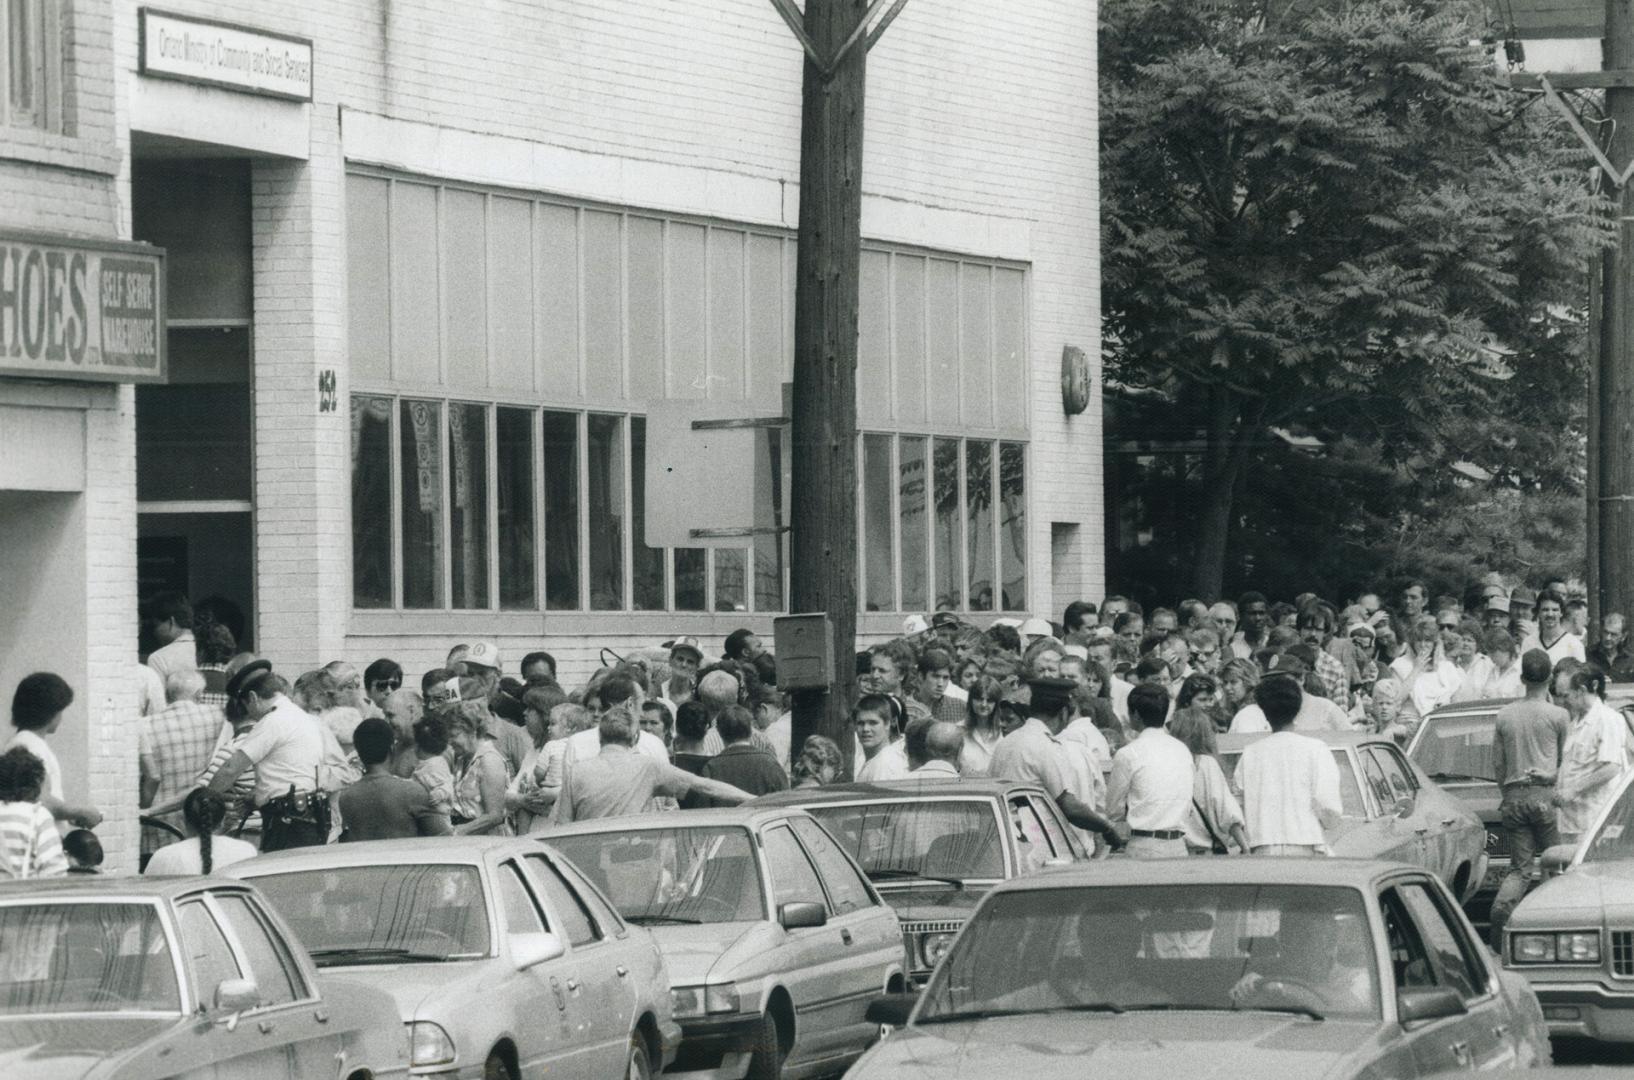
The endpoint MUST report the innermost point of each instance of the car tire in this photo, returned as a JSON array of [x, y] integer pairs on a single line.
[[766, 1052], [497, 1068], [639, 1065]]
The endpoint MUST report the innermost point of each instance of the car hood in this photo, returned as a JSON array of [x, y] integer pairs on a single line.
[[420, 989], [1136, 1046], [690, 952], [1585, 891], [936, 903], [67, 1048]]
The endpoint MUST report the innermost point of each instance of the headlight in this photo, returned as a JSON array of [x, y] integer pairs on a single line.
[[431, 1044], [1569, 947], [932, 947], [691, 1001]]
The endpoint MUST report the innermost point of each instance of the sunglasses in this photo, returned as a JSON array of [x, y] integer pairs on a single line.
[[1448, 626], [388, 684]]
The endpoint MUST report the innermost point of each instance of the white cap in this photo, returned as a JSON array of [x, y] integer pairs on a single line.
[[914, 624], [1036, 627]]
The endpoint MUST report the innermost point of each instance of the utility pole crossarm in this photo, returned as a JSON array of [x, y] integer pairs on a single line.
[[793, 16]]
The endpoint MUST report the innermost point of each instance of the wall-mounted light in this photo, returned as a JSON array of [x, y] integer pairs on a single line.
[[1074, 380]]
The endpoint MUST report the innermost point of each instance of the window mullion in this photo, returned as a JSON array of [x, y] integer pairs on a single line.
[[493, 507], [895, 487], [446, 522], [583, 456], [394, 426], [537, 426], [628, 511]]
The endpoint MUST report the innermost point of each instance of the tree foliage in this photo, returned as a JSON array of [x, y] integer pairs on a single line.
[[1338, 219]]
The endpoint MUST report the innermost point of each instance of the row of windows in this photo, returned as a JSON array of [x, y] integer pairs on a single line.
[[467, 506]]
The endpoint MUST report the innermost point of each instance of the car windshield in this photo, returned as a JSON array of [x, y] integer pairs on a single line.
[[666, 877], [1615, 840], [383, 914], [1350, 796], [79, 958], [1456, 747], [1305, 950], [936, 839]]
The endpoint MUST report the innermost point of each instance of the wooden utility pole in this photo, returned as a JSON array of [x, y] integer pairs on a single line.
[[823, 522], [1615, 404]]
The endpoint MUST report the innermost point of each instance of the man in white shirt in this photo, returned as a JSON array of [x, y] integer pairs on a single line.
[[1553, 636], [617, 689], [172, 619], [1030, 754], [1316, 713], [1290, 783], [1151, 784]]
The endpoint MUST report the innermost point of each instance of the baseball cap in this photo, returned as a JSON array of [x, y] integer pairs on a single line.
[[1007, 622], [914, 624], [686, 645], [945, 618], [1035, 627], [1523, 597], [1079, 651], [1287, 664], [483, 654], [1499, 602], [1360, 628]]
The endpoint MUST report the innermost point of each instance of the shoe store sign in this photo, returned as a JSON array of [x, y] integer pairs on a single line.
[[80, 309], [227, 55]]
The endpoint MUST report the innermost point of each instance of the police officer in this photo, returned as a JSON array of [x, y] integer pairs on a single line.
[[294, 755]]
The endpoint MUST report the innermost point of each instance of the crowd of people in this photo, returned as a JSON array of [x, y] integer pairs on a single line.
[[1114, 711]]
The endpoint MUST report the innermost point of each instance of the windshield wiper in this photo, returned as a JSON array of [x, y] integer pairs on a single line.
[[380, 955], [989, 1014], [662, 920], [1461, 776], [902, 873], [1167, 1006]]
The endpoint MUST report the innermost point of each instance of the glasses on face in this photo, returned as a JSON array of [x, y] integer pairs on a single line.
[[388, 684], [1449, 626]]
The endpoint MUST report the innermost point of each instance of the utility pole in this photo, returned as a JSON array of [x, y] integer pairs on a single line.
[[1615, 404]]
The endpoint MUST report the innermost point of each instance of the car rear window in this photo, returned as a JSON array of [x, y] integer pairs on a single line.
[[85, 958], [383, 914], [893, 841]]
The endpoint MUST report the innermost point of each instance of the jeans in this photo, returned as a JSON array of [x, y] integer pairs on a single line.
[[1529, 819]]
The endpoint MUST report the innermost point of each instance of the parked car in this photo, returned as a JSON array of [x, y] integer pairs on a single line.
[[934, 847], [176, 977], [503, 961], [775, 940], [1393, 811], [1224, 968], [1453, 746], [1573, 936]]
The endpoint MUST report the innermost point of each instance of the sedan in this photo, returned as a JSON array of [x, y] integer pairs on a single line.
[[934, 847], [1393, 811], [176, 977], [503, 961], [775, 941], [1573, 936], [1224, 968], [1453, 746]]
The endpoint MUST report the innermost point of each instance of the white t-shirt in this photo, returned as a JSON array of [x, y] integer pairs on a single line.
[[1568, 646], [1290, 786], [182, 858], [32, 742], [1315, 714], [587, 744], [890, 763]]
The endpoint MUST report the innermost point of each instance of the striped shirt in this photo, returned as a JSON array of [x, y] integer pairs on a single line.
[[174, 746], [29, 843]]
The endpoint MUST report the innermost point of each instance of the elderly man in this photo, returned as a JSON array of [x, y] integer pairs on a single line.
[[296, 758], [618, 689], [1611, 653], [174, 747], [403, 709], [933, 748], [619, 780], [720, 690]]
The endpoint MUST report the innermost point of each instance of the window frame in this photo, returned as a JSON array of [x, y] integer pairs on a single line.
[[508, 870], [776, 904], [304, 990], [797, 826], [1475, 965], [598, 934], [49, 53]]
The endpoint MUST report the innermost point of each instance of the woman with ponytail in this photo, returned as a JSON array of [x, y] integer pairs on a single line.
[[203, 852]]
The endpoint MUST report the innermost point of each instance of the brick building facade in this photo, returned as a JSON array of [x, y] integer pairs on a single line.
[[417, 321]]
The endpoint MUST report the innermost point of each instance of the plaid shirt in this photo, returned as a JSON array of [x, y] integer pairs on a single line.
[[174, 747], [215, 685], [1335, 679], [950, 709]]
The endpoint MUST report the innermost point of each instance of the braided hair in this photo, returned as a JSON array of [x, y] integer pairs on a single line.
[[204, 811]]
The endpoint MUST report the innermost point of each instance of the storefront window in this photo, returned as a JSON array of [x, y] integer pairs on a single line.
[[769, 549], [648, 568], [691, 573], [1013, 524], [949, 548], [606, 502], [911, 488], [561, 511], [468, 522], [422, 504], [979, 523], [730, 567], [371, 502], [513, 485], [879, 592]]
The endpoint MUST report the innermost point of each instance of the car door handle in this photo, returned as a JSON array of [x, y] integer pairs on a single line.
[[1461, 1054], [573, 986], [1501, 1031], [845, 936], [321, 1015], [1422, 829], [265, 1026], [1449, 822], [622, 971]]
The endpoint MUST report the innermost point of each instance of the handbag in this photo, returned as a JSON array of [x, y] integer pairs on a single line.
[[1220, 847]]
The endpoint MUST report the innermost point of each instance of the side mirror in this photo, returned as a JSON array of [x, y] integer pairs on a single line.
[[531, 950], [234, 996], [799, 914], [891, 1010], [1558, 859], [1428, 1003], [1404, 807]]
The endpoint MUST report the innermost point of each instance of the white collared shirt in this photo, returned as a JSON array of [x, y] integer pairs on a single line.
[[1151, 782], [1290, 786], [932, 769], [290, 747]]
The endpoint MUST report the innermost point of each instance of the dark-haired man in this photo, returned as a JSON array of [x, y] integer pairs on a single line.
[[1553, 636], [1151, 784], [382, 806], [1290, 782], [1256, 620], [742, 645], [171, 617], [1030, 754], [1528, 741], [538, 666], [740, 763]]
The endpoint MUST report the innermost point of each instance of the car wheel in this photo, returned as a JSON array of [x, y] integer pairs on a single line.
[[766, 1052], [496, 1068], [639, 1066]]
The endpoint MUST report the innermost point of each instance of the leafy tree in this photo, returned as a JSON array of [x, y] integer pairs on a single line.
[[1337, 219]]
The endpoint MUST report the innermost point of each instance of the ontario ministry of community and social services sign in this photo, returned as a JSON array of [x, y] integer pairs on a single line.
[[227, 55], [81, 309]]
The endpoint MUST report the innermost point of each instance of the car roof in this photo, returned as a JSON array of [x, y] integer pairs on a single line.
[[1471, 708], [1235, 743], [470, 850], [1241, 870], [100, 887], [893, 790], [748, 816]]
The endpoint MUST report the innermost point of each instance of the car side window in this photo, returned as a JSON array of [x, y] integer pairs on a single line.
[[209, 954], [1377, 782], [1409, 962], [1049, 815], [845, 886], [1396, 771], [570, 912], [1034, 841], [276, 976], [794, 880], [1449, 955], [516, 907], [602, 914]]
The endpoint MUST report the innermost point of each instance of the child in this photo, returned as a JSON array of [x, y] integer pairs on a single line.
[[84, 852], [433, 771]]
